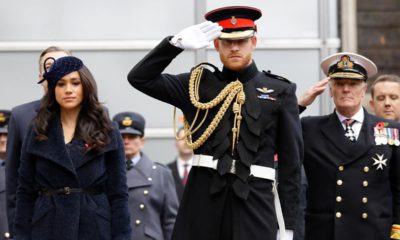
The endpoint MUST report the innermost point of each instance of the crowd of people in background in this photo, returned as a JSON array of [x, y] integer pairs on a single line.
[[69, 171]]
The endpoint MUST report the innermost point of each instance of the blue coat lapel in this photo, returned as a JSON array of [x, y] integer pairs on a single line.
[[53, 148]]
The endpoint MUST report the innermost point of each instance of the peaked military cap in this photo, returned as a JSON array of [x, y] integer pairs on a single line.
[[130, 123], [4, 119], [61, 67], [346, 65], [237, 21]]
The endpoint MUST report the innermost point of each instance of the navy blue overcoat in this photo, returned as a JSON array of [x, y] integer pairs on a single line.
[[50, 164]]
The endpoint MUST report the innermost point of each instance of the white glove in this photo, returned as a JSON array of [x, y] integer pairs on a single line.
[[288, 235], [197, 36]]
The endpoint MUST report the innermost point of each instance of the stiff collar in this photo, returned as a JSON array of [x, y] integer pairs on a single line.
[[359, 116], [243, 75]]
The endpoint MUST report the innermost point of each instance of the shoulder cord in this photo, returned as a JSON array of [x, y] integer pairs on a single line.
[[232, 90]]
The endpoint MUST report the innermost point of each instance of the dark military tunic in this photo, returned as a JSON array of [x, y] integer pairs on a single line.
[[3, 215], [217, 204], [348, 197]]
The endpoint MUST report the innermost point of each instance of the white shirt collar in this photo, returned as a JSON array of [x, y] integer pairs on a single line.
[[359, 116]]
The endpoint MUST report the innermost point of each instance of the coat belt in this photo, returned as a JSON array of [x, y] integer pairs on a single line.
[[67, 191], [200, 160]]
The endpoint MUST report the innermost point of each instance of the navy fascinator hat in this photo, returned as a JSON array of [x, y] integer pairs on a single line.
[[60, 68]]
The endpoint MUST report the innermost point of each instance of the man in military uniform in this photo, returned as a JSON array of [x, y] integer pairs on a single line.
[[352, 161], [237, 119], [4, 118], [153, 202]]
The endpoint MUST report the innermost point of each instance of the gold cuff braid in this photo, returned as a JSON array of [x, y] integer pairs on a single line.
[[395, 234], [227, 95]]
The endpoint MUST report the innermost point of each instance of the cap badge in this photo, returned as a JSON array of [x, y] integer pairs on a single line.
[[380, 162], [345, 62], [2, 118], [127, 122], [233, 20]]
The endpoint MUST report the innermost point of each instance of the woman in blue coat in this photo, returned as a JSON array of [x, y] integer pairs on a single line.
[[72, 180]]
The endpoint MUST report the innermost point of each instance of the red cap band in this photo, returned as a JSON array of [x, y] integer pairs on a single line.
[[236, 23]]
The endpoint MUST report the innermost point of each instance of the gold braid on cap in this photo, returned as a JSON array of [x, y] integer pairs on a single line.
[[233, 90], [395, 233]]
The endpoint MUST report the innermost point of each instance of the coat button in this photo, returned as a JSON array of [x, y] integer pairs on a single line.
[[338, 199], [338, 214], [364, 215], [7, 235], [366, 169], [141, 206], [150, 179], [364, 200], [137, 222], [146, 192], [154, 167], [365, 183], [339, 182], [341, 168]]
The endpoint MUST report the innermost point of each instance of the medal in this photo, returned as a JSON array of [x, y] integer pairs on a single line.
[[389, 132], [396, 136]]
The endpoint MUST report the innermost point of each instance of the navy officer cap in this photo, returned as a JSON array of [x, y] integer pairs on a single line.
[[61, 67], [4, 119], [130, 123], [237, 22]]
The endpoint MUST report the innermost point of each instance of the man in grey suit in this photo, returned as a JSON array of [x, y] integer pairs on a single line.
[[21, 117], [183, 163], [4, 117], [153, 202]]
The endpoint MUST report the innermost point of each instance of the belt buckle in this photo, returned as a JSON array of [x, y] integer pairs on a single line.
[[233, 167], [67, 190]]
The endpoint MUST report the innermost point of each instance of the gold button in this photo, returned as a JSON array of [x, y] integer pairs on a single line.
[[366, 169], [141, 206], [365, 183], [339, 182], [146, 192], [364, 215], [341, 168], [338, 214], [338, 199], [364, 200], [7, 235], [137, 222]]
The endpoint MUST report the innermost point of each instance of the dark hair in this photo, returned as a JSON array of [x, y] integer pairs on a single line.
[[93, 124], [384, 78], [52, 49]]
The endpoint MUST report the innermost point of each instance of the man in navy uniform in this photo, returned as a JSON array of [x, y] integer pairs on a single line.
[[4, 118], [21, 117], [352, 161], [153, 202], [237, 119]]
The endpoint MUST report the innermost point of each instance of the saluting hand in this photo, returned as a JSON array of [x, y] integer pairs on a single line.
[[309, 96], [197, 36]]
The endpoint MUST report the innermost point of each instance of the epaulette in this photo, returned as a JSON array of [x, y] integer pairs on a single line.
[[269, 74], [161, 165]]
